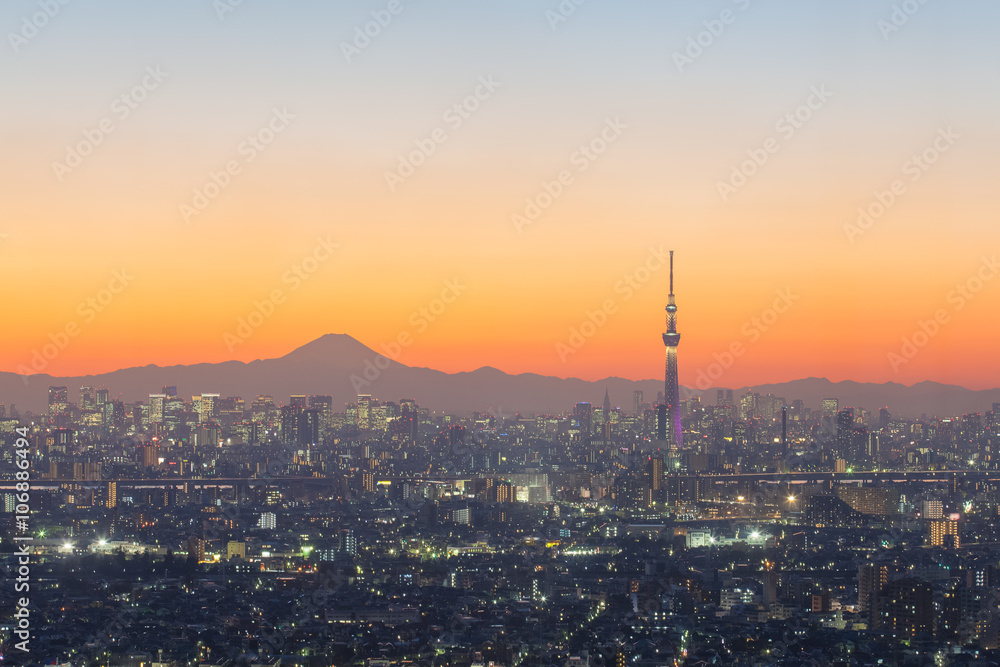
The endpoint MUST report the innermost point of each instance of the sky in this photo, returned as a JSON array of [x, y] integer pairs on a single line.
[[497, 184]]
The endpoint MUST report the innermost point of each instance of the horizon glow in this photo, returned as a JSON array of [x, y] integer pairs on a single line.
[[838, 236]]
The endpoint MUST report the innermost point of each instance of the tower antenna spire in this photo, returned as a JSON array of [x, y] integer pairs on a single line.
[[671, 273]]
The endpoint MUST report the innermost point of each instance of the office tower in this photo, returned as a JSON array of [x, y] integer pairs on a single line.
[[290, 424], [298, 401], [606, 428], [263, 411], [784, 430], [748, 406], [671, 394], [208, 407], [88, 398], [364, 411], [325, 406], [845, 429], [58, 399], [723, 397], [884, 418], [59, 406], [309, 427], [409, 418], [582, 414], [156, 405], [829, 406], [102, 397], [637, 401], [169, 390]]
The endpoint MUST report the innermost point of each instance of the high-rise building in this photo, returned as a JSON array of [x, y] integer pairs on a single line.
[[364, 411], [348, 543], [290, 424], [872, 578], [582, 413], [931, 509], [209, 407], [671, 393], [156, 408], [58, 399], [944, 533], [88, 398], [829, 406], [298, 401], [309, 427], [637, 401], [876, 501], [906, 608]]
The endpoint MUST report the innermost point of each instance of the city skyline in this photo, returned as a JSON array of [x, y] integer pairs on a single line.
[[294, 169], [329, 327]]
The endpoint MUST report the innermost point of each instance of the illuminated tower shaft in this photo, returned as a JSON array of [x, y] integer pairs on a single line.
[[672, 398]]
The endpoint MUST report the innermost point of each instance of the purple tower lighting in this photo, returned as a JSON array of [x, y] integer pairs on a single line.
[[672, 402]]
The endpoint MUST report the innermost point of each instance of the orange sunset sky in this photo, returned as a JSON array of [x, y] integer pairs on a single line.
[[837, 109]]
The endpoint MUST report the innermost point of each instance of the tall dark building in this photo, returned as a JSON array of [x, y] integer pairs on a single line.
[[637, 401], [308, 429], [671, 394], [583, 412], [845, 428], [906, 608], [606, 427], [872, 578], [290, 424]]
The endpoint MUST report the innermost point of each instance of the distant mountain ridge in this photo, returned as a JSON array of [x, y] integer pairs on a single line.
[[339, 365]]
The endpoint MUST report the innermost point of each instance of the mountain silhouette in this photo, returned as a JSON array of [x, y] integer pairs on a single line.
[[341, 366]]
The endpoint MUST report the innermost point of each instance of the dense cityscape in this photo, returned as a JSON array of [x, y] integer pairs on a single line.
[[333, 334], [216, 531]]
